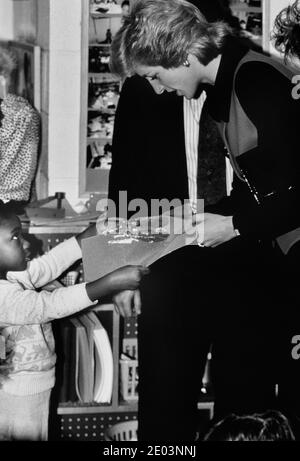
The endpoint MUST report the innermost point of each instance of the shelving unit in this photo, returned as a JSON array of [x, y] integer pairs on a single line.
[[251, 17], [88, 421], [99, 98]]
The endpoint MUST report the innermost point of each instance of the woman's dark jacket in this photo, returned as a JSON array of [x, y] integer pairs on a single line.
[[265, 200]]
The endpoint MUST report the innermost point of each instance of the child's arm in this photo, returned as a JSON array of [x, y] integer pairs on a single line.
[[125, 278], [21, 307]]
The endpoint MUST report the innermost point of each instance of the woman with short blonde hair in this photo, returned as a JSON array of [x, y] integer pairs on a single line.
[[164, 32]]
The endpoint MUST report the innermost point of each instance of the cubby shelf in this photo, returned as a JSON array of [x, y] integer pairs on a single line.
[[245, 8], [104, 76], [105, 15], [97, 83], [72, 408], [100, 139]]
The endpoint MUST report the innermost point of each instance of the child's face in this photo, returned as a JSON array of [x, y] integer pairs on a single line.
[[13, 254]]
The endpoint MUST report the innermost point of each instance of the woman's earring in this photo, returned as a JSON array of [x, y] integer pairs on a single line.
[[186, 63]]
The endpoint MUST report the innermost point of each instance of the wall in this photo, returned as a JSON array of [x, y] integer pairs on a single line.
[[6, 20], [43, 38], [25, 20], [64, 101]]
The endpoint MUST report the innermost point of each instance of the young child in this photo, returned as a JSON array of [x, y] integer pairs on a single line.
[[25, 322]]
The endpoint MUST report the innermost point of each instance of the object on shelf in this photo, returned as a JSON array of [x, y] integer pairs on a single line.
[[101, 126], [38, 209], [126, 431], [99, 58], [97, 9], [103, 96], [99, 156], [130, 347], [88, 360], [103, 376], [67, 390], [128, 378], [95, 202], [108, 38], [84, 378], [254, 24]]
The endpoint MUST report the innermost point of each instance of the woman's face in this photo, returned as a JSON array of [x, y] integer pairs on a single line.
[[184, 79]]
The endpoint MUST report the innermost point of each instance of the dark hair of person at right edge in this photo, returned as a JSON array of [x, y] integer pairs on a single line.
[[286, 32], [270, 426]]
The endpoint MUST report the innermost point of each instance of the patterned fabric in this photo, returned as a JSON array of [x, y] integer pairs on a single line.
[[19, 140], [211, 179]]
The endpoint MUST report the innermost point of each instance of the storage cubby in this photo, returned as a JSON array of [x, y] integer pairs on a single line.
[[100, 94]]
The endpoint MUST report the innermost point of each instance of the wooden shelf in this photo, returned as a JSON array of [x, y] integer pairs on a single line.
[[99, 44], [245, 8], [104, 77], [105, 15], [103, 111], [90, 139], [77, 408]]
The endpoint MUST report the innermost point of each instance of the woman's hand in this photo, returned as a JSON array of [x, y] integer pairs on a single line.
[[128, 303], [217, 229]]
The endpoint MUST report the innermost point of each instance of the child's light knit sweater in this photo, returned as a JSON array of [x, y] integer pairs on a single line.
[[26, 314]]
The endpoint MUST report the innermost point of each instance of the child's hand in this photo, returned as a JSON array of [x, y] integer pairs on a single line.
[[126, 278]]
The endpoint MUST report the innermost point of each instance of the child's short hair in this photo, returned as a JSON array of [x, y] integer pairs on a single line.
[[269, 426]]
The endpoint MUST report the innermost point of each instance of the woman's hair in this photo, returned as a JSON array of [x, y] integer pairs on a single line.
[[286, 33], [163, 33], [269, 426]]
